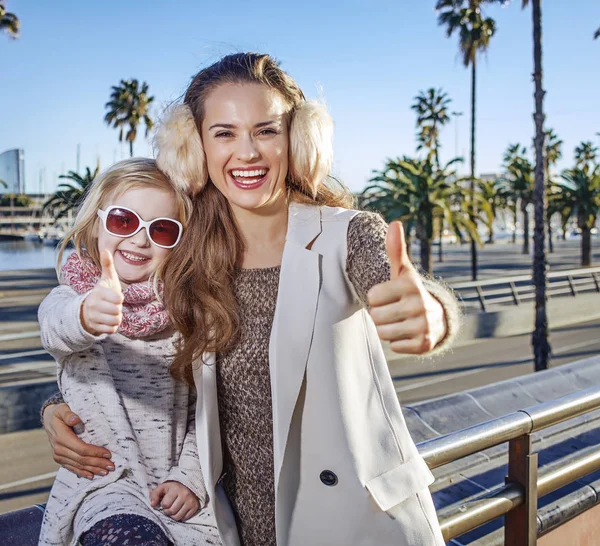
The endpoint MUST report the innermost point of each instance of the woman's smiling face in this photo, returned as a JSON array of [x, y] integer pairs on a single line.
[[246, 141]]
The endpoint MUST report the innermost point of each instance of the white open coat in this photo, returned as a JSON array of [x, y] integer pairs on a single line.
[[346, 469]]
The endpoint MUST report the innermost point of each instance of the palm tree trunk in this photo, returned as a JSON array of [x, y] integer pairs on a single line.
[[490, 227], [550, 242], [425, 237], [539, 338], [472, 187], [525, 213], [586, 245], [440, 250], [407, 240], [426, 255], [130, 148], [515, 220]]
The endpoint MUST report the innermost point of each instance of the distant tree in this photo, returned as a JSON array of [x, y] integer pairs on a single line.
[[414, 191], [585, 154], [493, 197], [15, 200], [9, 22], [431, 107], [519, 181], [552, 153], [128, 107], [68, 196], [581, 193]]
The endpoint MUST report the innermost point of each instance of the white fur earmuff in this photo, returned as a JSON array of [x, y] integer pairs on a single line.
[[311, 145], [179, 151]]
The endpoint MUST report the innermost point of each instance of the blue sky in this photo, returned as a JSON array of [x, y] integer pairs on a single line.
[[369, 58]]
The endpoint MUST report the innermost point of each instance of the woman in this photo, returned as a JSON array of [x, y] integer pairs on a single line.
[[300, 434]]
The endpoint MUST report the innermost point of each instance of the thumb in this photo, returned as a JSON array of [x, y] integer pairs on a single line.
[[109, 277], [157, 494], [395, 245], [67, 416]]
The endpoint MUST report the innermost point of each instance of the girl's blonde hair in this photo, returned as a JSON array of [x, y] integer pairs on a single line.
[[139, 172], [199, 293]]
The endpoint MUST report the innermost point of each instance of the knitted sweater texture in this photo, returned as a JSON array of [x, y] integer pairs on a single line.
[[123, 392]]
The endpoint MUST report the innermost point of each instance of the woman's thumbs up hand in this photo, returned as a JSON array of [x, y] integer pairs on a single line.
[[405, 313]]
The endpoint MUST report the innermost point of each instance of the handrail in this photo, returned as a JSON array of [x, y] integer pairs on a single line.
[[517, 499], [522, 278], [457, 520], [513, 289], [456, 445]]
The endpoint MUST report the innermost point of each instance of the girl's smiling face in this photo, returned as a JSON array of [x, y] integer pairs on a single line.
[[136, 258], [246, 141]]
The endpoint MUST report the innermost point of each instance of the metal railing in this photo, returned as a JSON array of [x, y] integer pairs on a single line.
[[525, 483], [518, 289]]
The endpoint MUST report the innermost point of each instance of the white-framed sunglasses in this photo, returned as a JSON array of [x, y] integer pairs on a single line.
[[124, 222]]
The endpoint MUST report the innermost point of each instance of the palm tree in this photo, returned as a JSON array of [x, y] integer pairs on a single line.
[[128, 106], [475, 32], [68, 196], [9, 22], [557, 204], [581, 186], [493, 196], [414, 191], [553, 152], [585, 154], [519, 182], [431, 107], [540, 334]]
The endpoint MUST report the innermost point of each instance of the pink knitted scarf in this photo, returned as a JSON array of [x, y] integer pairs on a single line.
[[143, 314]]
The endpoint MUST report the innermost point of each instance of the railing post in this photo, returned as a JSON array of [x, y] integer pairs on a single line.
[[515, 294], [520, 524], [571, 285], [596, 282], [481, 298]]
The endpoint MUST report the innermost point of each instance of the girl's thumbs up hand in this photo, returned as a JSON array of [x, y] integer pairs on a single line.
[[101, 311], [404, 312]]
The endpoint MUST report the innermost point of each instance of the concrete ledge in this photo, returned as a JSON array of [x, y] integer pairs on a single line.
[[20, 404], [507, 320], [519, 319]]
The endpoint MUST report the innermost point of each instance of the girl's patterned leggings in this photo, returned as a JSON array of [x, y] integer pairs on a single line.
[[125, 530]]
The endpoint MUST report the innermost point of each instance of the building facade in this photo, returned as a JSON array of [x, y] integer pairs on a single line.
[[12, 171]]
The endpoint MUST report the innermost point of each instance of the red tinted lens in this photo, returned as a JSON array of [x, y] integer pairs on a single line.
[[121, 222], [164, 232]]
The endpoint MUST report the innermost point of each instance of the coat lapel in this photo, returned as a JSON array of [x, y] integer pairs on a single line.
[[294, 320], [208, 435]]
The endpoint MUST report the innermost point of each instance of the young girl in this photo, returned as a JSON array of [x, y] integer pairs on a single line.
[[111, 336]]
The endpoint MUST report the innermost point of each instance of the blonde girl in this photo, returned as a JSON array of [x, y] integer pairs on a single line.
[[108, 329]]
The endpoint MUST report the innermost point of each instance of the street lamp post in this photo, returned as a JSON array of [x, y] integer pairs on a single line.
[[456, 115]]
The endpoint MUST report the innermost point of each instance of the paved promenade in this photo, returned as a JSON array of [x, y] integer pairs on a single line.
[[26, 466]]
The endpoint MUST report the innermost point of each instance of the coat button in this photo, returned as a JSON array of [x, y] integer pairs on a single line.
[[328, 477]]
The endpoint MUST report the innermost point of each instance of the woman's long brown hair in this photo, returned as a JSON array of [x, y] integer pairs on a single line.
[[200, 272]]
